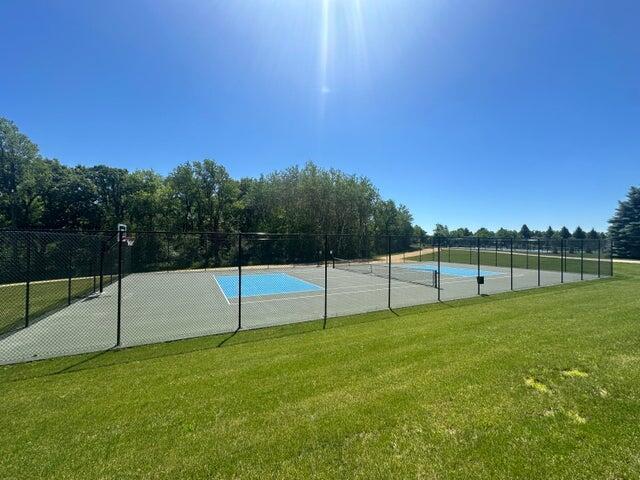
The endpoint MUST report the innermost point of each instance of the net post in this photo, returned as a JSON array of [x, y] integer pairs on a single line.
[[119, 330], [389, 266], [438, 277], [326, 262], [582, 259], [538, 262], [28, 284], [239, 281], [511, 262], [599, 254], [478, 279]]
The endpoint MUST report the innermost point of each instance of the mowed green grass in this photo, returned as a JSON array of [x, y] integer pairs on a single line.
[[537, 384]]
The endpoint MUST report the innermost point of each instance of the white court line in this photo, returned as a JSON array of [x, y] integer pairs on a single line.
[[223, 294]]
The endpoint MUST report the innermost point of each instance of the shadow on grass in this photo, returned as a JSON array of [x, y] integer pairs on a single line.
[[122, 356]]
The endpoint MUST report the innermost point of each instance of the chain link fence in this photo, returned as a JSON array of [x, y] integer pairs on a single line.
[[66, 293]]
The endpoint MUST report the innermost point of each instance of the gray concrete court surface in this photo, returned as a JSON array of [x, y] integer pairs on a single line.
[[164, 306]]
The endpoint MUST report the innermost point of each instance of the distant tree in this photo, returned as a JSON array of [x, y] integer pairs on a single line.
[[504, 233], [549, 232], [441, 230], [564, 233], [579, 234], [525, 232], [419, 232], [461, 232], [484, 233], [593, 235], [624, 226]]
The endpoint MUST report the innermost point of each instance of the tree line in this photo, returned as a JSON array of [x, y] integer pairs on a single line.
[[41, 193], [37, 192], [525, 233]]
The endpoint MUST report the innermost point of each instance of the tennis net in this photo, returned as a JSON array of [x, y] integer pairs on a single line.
[[402, 273]]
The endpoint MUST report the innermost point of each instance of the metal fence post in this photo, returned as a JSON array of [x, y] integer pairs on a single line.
[[28, 285], [538, 262], [438, 276], [496, 252], [599, 253], [69, 275], [119, 331], [582, 259], [326, 261], [101, 265], [526, 242], [478, 279], [611, 255], [511, 262], [93, 274], [239, 281], [389, 273], [562, 260]]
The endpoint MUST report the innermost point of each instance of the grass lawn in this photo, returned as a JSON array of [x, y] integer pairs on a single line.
[[537, 384]]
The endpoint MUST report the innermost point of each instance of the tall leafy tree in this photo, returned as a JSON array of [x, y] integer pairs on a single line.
[[20, 166]]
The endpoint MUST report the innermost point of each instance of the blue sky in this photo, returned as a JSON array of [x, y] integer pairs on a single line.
[[472, 113]]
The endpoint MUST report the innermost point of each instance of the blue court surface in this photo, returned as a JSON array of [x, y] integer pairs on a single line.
[[454, 271], [256, 284]]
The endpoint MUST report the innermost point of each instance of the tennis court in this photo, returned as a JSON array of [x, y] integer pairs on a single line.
[[171, 305]]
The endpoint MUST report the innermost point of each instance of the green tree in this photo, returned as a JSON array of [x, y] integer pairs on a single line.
[[579, 234], [564, 233], [484, 233], [624, 226], [549, 233], [525, 232], [593, 234], [20, 169], [504, 233], [441, 231]]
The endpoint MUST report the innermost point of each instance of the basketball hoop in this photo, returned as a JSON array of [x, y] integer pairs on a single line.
[[128, 240]]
